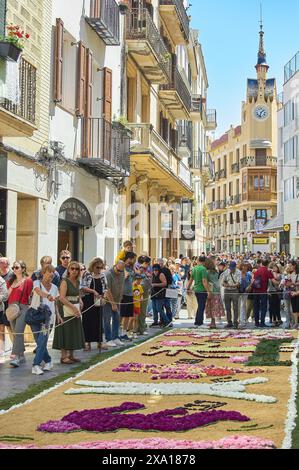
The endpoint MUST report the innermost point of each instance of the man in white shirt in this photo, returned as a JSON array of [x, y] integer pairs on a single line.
[[231, 281]]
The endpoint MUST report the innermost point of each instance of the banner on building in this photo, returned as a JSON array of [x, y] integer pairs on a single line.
[[260, 241], [188, 233]]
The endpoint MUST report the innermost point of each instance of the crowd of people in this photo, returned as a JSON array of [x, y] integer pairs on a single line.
[[109, 305]]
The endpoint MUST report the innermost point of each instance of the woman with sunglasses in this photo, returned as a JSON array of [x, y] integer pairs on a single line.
[[69, 335], [19, 290], [93, 286]]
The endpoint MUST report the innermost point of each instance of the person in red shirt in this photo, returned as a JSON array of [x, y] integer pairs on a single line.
[[260, 291], [19, 290]]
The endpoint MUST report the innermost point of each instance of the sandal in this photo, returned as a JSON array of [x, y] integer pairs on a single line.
[[87, 347], [66, 360]]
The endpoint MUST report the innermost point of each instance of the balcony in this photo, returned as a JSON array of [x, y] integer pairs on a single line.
[[210, 119], [176, 20], [258, 161], [217, 177], [105, 148], [214, 206], [146, 46], [201, 164], [260, 196], [235, 168], [197, 107], [237, 199], [222, 174], [151, 155], [230, 201], [223, 204], [18, 100], [104, 20], [176, 96]]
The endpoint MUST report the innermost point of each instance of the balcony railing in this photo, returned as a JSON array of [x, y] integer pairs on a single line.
[[21, 100], [230, 201], [105, 147], [214, 206], [197, 104], [140, 28], [223, 204], [177, 84], [182, 15], [237, 199], [104, 19], [211, 116], [202, 162], [217, 176], [235, 168], [146, 140], [258, 161], [222, 173]]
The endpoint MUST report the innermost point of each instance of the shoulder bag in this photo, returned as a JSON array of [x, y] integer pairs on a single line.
[[13, 311]]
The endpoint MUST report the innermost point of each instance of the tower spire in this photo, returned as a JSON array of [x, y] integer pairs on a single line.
[[262, 57]]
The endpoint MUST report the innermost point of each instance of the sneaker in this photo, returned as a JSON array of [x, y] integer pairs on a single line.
[[135, 336], [263, 325], [145, 333], [125, 338], [111, 344], [118, 342], [229, 325], [37, 370], [48, 366], [154, 325], [203, 327], [15, 362]]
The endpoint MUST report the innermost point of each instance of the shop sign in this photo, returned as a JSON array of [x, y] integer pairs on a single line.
[[260, 241], [238, 242], [188, 233], [245, 243], [75, 212], [286, 228], [3, 209], [166, 221]]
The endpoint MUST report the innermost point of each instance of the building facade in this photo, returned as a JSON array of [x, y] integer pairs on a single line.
[[162, 85], [243, 195], [287, 221]]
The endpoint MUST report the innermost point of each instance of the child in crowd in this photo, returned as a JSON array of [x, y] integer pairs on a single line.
[[127, 248], [137, 297]]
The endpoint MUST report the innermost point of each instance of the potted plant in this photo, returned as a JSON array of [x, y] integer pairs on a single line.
[[12, 45]]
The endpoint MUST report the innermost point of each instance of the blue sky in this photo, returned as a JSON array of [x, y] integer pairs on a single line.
[[229, 37]]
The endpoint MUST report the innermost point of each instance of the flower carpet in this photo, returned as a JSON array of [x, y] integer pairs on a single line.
[[186, 389]]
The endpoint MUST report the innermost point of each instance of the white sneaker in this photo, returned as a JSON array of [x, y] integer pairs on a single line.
[[135, 336], [111, 344], [118, 342], [15, 362], [202, 327], [37, 370], [145, 333], [47, 367]]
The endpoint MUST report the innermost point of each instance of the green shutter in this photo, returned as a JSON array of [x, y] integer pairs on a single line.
[[2, 17]]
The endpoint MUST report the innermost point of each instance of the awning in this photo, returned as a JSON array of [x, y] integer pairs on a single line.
[[275, 225]]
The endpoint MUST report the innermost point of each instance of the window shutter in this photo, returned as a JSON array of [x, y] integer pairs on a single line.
[[58, 60], [95, 8], [81, 80], [107, 98], [87, 131]]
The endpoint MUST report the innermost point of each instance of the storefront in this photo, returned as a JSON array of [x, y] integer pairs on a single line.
[[74, 219]]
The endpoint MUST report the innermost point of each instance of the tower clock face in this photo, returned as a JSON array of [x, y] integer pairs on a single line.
[[261, 112]]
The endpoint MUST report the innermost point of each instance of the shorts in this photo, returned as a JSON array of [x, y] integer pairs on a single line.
[[137, 311], [127, 310], [3, 319]]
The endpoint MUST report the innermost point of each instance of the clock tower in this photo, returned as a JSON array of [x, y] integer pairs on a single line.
[[260, 109]]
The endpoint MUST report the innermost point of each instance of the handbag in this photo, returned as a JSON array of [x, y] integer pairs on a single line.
[[68, 312], [14, 310], [38, 316], [98, 302], [172, 294]]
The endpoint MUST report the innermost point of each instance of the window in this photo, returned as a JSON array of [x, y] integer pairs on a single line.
[[231, 218], [245, 216], [291, 149], [256, 183], [289, 112], [237, 187], [230, 189], [244, 183], [261, 214], [289, 189], [238, 217]]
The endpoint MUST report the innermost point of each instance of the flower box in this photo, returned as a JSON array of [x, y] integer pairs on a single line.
[[9, 51]]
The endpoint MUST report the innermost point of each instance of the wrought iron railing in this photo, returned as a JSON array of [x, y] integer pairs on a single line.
[[237, 199], [235, 168], [106, 142], [181, 12], [197, 104], [185, 134], [222, 173], [104, 19], [23, 104], [177, 83], [140, 26], [211, 117]]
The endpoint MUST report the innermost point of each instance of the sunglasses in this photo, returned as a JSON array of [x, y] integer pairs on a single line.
[[119, 270], [16, 268], [74, 269], [83, 269], [65, 257]]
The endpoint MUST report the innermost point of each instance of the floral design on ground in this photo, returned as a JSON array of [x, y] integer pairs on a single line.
[[115, 418], [224, 335], [197, 349], [234, 389], [234, 442], [183, 371]]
